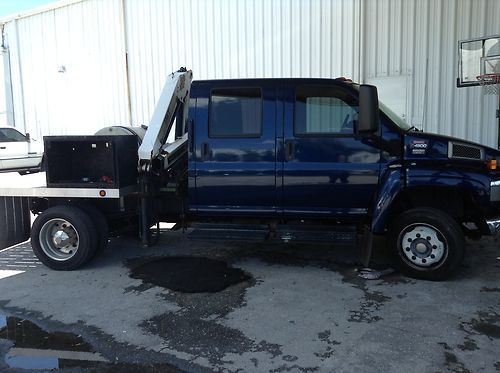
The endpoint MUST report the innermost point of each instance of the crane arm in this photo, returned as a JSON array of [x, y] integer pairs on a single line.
[[175, 96]]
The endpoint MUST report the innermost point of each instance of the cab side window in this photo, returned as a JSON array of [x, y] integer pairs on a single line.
[[235, 112], [10, 135], [323, 110]]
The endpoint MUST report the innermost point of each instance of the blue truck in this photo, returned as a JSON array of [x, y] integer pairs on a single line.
[[302, 158]]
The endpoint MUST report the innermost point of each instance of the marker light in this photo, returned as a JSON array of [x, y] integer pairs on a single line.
[[102, 193], [492, 164]]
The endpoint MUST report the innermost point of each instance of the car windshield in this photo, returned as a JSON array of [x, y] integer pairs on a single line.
[[400, 122], [11, 135]]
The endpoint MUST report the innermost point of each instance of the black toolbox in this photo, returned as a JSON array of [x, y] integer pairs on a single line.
[[91, 161]]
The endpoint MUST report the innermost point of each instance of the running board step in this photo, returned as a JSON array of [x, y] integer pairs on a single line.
[[228, 232], [284, 233], [299, 234]]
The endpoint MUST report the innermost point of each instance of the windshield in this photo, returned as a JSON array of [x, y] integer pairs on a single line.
[[11, 135], [400, 122]]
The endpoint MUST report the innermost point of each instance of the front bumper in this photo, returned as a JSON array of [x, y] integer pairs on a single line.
[[495, 191]]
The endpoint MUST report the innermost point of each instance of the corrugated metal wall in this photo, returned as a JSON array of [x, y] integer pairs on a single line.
[[220, 39], [417, 42], [409, 45], [68, 69]]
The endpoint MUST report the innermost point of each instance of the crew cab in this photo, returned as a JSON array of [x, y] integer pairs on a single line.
[[318, 154], [294, 150]]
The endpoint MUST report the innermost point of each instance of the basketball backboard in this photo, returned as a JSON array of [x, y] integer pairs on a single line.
[[477, 57]]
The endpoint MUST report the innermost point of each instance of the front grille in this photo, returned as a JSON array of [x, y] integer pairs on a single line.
[[464, 151]]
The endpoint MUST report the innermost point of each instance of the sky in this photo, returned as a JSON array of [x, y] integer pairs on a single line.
[[8, 7]]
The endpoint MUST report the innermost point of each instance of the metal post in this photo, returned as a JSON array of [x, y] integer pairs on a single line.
[[498, 119], [145, 209]]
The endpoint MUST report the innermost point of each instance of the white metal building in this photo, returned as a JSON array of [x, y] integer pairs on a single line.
[[80, 65]]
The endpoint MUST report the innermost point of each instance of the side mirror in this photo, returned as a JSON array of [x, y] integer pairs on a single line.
[[28, 137], [368, 121]]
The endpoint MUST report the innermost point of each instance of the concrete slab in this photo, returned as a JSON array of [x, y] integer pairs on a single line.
[[303, 310]]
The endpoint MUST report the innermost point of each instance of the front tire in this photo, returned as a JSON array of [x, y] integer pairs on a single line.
[[428, 243], [64, 238]]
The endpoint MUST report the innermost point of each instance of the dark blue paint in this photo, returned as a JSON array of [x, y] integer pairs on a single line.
[[326, 172], [239, 174], [345, 177], [391, 184]]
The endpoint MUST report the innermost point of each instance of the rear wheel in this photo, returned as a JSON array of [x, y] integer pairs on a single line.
[[429, 243], [100, 223], [64, 237]]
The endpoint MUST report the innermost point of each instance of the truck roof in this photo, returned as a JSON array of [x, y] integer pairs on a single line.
[[340, 80]]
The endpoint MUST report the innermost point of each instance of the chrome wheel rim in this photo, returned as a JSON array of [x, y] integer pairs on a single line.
[[59, 239], [423, 245]]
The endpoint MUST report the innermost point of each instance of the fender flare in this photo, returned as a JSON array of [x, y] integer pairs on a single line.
[[393, 183]]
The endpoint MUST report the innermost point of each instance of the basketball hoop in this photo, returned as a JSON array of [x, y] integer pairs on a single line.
[[490, 83]]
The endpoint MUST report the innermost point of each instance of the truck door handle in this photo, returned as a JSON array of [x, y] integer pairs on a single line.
[[205, 151], [289, 150], [3, 147]]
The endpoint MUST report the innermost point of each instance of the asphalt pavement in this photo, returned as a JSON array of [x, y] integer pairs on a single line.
[[190, 305]]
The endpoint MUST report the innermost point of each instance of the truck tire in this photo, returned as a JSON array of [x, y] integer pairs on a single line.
[[429, 243], [101, 225], [64, 238]]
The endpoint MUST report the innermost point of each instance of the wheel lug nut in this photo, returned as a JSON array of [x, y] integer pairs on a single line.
[[428, 238], [423, 260], [407, 249], [409, 240], [433, 256], [418, 235], [413, 257], [434, 247]]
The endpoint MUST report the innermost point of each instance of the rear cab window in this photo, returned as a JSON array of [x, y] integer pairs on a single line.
[[235, 112]]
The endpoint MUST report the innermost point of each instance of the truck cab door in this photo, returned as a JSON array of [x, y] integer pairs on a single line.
[[328, 171], [234, 150]]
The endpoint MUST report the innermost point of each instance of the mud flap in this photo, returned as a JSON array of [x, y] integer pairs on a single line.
[[366, 247], [15, 221]]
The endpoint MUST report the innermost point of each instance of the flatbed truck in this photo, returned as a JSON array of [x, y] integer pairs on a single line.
[[296, 156]]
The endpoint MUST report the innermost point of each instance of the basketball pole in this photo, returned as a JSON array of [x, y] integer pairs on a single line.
[[498, 120]]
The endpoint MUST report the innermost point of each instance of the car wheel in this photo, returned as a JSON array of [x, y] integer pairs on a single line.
[[64, 237], [429, 243]]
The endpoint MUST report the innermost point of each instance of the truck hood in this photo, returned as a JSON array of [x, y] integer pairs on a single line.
[[424, 145]]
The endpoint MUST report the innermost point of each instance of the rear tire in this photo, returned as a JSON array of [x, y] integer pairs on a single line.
[[64, 238], [428, 243], [101, 226]]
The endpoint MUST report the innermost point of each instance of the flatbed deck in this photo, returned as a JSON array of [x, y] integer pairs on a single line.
[[34, 185]]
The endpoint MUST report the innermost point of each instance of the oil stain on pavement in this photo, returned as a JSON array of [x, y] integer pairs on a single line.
[[207, 290], [487, 323], [28, 347], [189, 274]]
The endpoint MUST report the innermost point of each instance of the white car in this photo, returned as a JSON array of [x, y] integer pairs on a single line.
[[18, 152]]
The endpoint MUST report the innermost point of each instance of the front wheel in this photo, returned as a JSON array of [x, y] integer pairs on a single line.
[[64, 237], [429, 243]]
